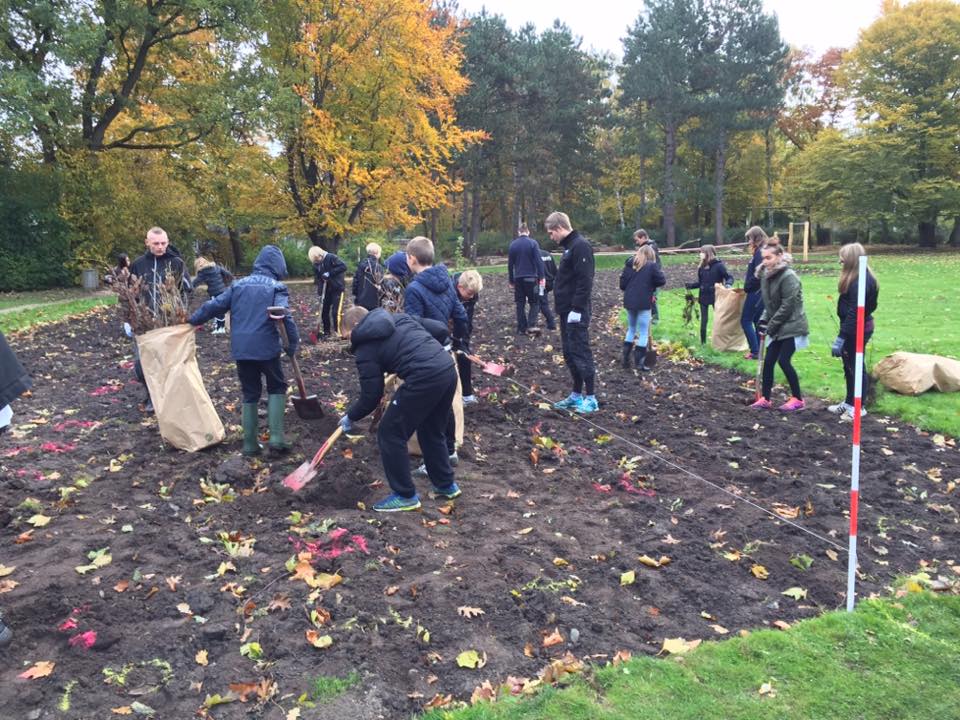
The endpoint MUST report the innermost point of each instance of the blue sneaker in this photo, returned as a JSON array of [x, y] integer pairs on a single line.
[[450, 493], [587, 405], [397, 503], [569, 402]]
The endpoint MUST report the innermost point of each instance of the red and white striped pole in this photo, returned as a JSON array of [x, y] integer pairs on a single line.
[[855, 462]]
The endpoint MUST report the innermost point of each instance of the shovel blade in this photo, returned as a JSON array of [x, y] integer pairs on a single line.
[[494, 369], [300, 477], [308, 408]]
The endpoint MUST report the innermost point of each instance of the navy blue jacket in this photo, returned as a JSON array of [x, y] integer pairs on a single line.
[[549, 270], [638, 285], [365, 280], [330, 270], [431, 295], [253, 335], [707, 277], [215, 278], [468, 305], [575, 275], [396, 343], [751, 283], [523, 260], [847, 307]]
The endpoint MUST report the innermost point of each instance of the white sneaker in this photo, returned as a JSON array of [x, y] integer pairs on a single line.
[[422, 470], [219, 331], [838, 409], [470, 400], [848, 413]]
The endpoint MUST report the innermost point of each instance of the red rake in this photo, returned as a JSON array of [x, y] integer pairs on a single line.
[[490, 368], [308, 470]]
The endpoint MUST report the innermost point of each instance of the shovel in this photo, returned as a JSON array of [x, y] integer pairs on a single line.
[[650, 359], [308, 470], [490, 368], [307, 406], [757, 379]]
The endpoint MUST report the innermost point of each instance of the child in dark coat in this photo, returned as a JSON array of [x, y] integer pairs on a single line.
[[639, 280], [411, 348], [468, 285], [368, 278], [710, 272], [216, 278], [255, 343], [329, 275]]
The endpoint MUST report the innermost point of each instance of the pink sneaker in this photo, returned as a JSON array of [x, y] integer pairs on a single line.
[[793, 404], [762, 404]]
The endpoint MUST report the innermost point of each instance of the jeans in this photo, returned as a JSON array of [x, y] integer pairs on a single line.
[[849, 357], [780, 351], [575, 339], [526, 290], [249, 372], [752, 310], [638, 327]]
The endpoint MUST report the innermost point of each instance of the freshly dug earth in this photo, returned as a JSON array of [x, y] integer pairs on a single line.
[[554, 515]]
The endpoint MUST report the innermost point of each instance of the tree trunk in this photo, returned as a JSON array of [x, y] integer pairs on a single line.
[[768, 162], [474, 224], [465, 218], [669, 204], [928, 234], [620, 217], [955, 233], [235, 248], [434, 216], [719, 179]]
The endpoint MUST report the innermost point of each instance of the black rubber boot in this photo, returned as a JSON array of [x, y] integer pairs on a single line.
[[638, 356], [627, 349]]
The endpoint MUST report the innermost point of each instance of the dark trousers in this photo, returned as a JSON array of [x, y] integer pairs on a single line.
[[465, 368], [575, 340], [704, 314], [526, 290], [849, 357], [330, 311], [249, 372], [422, 408], [780, 351], [547, 312], [749, 317]]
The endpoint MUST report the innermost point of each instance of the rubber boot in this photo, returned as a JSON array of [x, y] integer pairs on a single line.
[[276, 407], [638, 356], [251, 445], [627, 349]]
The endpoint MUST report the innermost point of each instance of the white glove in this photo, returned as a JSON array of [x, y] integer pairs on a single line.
[[573, 317], [326, 274]]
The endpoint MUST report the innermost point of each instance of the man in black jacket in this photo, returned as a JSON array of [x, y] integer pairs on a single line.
[[525, 272], [329, 273], [549, 276], [574, 286], [411, 348]]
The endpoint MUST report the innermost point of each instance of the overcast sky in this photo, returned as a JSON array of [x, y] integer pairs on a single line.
[[817, 24]]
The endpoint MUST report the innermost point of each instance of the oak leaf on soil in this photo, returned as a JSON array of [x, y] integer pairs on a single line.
[[40, 669]]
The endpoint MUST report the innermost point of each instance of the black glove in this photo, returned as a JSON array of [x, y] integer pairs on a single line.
[[461, 345], [762, 326], [837, 348]]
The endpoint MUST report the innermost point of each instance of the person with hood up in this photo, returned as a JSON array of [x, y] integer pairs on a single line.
[[394, 282], [216, 278], [255, 343], [412, 349]]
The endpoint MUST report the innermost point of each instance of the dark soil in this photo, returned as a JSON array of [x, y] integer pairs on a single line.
[[554, 510]]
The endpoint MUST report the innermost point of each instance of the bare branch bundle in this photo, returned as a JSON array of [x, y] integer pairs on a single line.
[[147, 308]]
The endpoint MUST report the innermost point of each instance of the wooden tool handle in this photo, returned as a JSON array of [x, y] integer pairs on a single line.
[[326, 446]]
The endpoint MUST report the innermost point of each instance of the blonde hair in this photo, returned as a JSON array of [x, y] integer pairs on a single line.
[[374, 249], [352, 317], [471, 280], [757, 237], [850, 255], [315, 253], [642, 256], [557, 220], [709, 253], [200, 263], [422, 249]]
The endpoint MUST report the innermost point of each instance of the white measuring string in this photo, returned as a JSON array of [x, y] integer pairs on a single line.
[[684, 470]]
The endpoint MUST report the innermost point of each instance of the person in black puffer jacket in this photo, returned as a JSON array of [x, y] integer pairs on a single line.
[[710, 272], [412, 349], [845, 346], [216, 278], [329, 275], [368, 278], [639, 280]]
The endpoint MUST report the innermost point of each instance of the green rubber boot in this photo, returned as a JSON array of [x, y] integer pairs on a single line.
[[276, 406], [251, 446]]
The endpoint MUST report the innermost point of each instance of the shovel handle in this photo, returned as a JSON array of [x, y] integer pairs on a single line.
[[278, 314], [326, 446]]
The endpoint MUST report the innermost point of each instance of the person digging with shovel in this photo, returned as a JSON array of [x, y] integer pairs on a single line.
[[411, 348], [255, 343]]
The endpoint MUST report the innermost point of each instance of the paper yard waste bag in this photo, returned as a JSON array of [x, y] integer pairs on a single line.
[[413, 445], [185, 414], [727, 333], [913, 373]]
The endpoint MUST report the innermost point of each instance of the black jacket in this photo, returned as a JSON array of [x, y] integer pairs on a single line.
[[330, 270], [549, 270], [154, 270], [215, 277], [638, 285], [656, 250], [575, 275], [523, 260], [365, 280], [847, 307], [707, 277], [468, 305], [751, 283], [14, 380], [410, 347]]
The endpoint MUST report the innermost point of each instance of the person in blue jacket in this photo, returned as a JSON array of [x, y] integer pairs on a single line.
[[526, 276], [845, 346], [412, 348], [216, 278], [753, 303], [639, 280], [710, 272], [255, 343]]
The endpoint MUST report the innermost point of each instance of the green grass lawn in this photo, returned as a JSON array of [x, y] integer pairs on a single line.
[[890, 659], [22, 319], [917, 312]]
